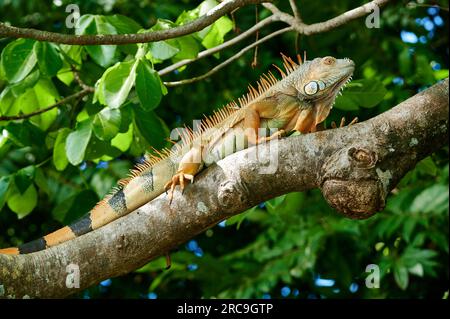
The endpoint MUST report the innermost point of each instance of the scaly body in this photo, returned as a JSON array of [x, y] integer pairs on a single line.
[[298, 102]]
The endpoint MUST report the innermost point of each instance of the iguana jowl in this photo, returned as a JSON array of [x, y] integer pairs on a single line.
[[299, 101]]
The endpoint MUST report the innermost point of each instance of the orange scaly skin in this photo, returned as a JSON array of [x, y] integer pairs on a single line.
[[299, 101]]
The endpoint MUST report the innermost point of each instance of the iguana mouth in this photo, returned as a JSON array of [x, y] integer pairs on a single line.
[[343, 83]]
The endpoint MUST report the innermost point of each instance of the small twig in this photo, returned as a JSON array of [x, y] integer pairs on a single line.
[[295, 11], [228, 61], [77, 78], [82, 93], [255, 54], [415, 4], [261, 24]]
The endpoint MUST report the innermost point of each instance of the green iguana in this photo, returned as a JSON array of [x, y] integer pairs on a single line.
[[299, 101]]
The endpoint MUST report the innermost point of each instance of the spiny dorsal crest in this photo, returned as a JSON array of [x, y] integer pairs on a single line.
[[187, 135]]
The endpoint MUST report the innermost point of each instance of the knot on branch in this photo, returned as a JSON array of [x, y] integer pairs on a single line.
[[350, 183], [231, 193]]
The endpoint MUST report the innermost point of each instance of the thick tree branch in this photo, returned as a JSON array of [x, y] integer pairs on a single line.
[[86, 90], [356, 167], [191, 27]]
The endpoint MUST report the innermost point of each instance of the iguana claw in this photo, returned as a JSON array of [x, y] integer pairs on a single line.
[[342, 124], [178, 178]]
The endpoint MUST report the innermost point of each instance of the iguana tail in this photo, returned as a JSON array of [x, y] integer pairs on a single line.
[[145, 183]]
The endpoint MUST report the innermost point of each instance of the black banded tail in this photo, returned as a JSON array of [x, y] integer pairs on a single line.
[[76, 229]]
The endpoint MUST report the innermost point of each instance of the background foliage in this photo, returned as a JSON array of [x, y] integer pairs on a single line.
[[55, 166]]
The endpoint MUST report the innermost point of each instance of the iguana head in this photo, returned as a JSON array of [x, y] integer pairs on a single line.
[[319, 82]]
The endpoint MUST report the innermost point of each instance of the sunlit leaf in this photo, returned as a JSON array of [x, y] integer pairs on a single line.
[[95, 24], [48, 58], [148, 86], [107, 123], [77, 142], [117, 82], [18, 58], [59, 150], [23, 204]]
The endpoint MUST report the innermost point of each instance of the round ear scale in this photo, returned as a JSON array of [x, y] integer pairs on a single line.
[[311, 88]]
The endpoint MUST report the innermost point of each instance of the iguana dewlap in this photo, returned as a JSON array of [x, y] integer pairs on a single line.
[[299, 101]]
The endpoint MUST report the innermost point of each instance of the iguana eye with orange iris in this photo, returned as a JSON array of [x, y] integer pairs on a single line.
[[329, 60]]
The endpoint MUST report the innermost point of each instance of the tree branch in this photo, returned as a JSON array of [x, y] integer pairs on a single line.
[[356, 167], [191, 27], [229, 60], [86, 90], [261, 24], [295, 11], [319, 27], [294, 22]]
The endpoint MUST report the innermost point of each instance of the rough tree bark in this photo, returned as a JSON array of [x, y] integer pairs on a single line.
[[356, 167]]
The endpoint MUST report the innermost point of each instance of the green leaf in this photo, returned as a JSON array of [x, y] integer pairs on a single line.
[[432, 199], [59, 150], [441, 74], [42, 182], [18, 58], [401, 276], [127, 117], [365, 93], [100, 150], [24, 177], [77, 142], [7, 102], [408, 227], [274, 203], [417, 270], [43, 94], [163, 50], [73, 54], [117, 82], [65, 74], [151, 127], [48, 58], [405, 61], [75, 206], [148, 86], [5, 181], [29, 81], [427, 166], [188, 47], [122, 141], [217, 32], [345, 103], [95, 24], [424, 73], [107, 123], [23, 204], [123, 24], [25, 134]]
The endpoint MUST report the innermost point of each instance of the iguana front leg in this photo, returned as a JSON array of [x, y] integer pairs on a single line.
[[190, 164], [306, 121], [252, 120]]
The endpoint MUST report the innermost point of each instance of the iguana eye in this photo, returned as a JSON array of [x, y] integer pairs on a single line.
[[321, 85], [311, 88]]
